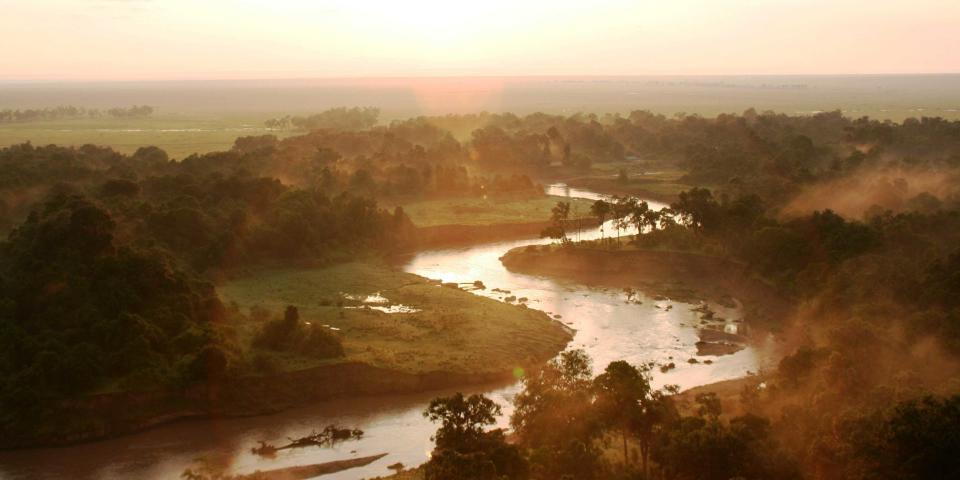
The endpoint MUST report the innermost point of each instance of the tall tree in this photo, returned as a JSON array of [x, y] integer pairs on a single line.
[[620, 390], [559, 215], [601, 211], [621, 209]]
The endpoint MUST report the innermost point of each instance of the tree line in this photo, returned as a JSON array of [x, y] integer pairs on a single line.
[[66, 112], [336, 118], [569, 423]]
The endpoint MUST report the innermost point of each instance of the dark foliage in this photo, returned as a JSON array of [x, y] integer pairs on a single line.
[[79, 308], [463, 449]]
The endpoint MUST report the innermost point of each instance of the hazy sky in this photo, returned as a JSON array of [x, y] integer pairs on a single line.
[[175, 39]]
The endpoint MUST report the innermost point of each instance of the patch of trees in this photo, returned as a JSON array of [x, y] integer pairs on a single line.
[[209, 211], [464, 450], [336, 118], [69, 112], [913, 439], [79, 307], [371, 164], [570, 424], [566, 419]]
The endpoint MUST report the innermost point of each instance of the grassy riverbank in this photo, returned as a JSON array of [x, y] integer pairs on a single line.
[[435, 336], [490, 211], [434, 327], [654, 182]]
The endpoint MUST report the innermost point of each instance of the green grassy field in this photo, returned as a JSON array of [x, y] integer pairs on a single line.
[[642, 180], [478, 211], [452, 330], [179, 135]]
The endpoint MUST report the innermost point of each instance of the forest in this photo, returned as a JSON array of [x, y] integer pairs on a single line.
[[109, 269]]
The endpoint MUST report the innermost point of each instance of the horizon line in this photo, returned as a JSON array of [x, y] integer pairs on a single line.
[[462, 76]]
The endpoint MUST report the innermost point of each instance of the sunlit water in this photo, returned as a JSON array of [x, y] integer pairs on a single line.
[[605, 325]]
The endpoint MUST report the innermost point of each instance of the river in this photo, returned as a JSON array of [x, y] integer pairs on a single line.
[[606, 327]]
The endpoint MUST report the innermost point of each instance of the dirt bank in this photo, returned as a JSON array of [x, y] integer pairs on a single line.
[[101, 416], [680, 276], [667, 273]]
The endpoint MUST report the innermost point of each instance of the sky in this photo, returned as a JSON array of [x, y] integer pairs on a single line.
[[225, 39]]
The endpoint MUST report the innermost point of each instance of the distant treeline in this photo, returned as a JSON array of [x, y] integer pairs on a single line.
[[336, 118], [71, 112]]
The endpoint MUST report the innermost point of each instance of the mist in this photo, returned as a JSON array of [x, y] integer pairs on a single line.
[[897, 189]]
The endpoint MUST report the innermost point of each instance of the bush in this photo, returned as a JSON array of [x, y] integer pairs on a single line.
[[278, 334], [288, 334], [322, 343]]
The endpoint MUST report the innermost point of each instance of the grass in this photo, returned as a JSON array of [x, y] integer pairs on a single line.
[[179, 135], [453, 331], [491, 211], [661, 183]]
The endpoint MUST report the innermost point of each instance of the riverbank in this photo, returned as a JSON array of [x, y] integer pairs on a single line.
[[677, 275], [458, 222], [102, 416], [663, 185], [492, 211], [401, 333], [400, 321], [713, 284], [451, 236]]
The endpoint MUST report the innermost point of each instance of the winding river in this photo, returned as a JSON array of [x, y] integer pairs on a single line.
[[606, 326]]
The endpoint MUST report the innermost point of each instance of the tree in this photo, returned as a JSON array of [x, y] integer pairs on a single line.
[[553, 399], [914, 439], [620, 390], [709, 405], [697, 207], [554, 416], [638, 216], [652, 218], [463, 449], [462, 419], [559, 215], [621, 210], [601, 211], [658, 412], [626, 401]]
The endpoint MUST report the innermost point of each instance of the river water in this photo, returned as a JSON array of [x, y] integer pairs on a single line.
[[606, 326]]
